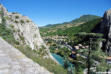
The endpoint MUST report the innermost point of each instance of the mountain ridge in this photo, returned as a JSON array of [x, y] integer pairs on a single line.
[[77, 20]]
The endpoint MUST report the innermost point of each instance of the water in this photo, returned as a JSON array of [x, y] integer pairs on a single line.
[[58, 58], [61, 61]]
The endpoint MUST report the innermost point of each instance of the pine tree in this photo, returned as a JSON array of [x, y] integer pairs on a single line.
[[93, 56]]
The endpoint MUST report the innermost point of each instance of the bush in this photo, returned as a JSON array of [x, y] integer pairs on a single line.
[[21, 37], [8, 18], [17, 43], [16, 16], [7, 34], [27, 21], [16, 21], [22, 21], [14, 12], [12, 26]]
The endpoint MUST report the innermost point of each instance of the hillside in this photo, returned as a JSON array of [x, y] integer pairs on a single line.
[[65, 25], [82, 43], [68, 34], [74, 43], [85, 27]]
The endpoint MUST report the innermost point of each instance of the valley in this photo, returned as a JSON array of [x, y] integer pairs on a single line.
[[77, 43], [78, 46]]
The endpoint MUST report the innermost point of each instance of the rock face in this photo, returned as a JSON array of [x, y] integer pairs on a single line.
[[13, 61], [106, 30], [24, 30]]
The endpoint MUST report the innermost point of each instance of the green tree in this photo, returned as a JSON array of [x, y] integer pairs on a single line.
[[94, 54]]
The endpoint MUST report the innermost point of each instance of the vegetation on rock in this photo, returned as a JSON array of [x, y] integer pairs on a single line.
[[37, 56]]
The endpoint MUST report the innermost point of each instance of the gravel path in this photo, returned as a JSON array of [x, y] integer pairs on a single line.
[[12, 61]]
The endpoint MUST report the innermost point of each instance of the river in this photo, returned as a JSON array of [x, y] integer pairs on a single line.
[[58, 58]]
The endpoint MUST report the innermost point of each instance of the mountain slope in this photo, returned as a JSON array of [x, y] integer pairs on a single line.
[[65, 25], [85, 27], [84, 18]]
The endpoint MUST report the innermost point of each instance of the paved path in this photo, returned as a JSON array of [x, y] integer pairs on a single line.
[[13, 61]]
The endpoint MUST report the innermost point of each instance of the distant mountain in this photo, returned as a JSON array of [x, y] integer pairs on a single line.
[[62, 26], [84, 18]]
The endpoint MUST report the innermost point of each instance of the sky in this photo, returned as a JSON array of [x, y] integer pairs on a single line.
[[43, 12]]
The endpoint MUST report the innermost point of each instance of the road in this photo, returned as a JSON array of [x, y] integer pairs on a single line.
[[12, 61]]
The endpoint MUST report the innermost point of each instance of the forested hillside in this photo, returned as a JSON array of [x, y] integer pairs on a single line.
[[85, 27], [53, 28]]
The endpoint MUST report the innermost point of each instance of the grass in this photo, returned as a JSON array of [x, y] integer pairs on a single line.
[[7, 34], [48, 63]]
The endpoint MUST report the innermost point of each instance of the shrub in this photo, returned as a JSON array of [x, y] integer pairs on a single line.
[[28, 47], [21, 37], [8, 18], [7, 34], [14, 12], [22, 21], [16, 16], [17, 43], [16, 21], [18, 30], [14, 30], [11, 25], [27, 21]]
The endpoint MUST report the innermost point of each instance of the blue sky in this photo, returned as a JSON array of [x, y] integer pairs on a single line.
[[44, 12]]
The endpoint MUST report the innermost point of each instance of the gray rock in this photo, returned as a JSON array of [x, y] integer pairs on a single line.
[[14, 62], [106, 30], [25, 31]]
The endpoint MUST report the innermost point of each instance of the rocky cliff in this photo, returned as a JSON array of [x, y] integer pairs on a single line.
[[106, 30], [24, 30]]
